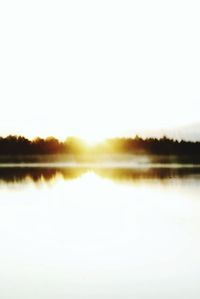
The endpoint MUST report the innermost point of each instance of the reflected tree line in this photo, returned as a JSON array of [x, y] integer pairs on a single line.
[[37, 175], [19, 145]]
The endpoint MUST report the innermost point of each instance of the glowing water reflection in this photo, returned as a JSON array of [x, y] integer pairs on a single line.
[[99, 233]]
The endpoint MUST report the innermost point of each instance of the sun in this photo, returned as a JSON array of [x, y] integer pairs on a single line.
[[91, 140], [89, 133]]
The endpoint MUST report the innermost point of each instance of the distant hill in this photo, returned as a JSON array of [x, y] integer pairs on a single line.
[[187, 133]]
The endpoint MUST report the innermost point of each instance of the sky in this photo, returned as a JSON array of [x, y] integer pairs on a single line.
[[98, 69]]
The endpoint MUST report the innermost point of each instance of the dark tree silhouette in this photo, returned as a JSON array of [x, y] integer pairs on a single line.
[[19, 145]]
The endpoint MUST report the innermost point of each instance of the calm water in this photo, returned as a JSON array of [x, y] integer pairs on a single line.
[[99, 233]]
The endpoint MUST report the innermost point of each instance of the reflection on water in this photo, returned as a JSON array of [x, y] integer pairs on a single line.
[[37, 174], [86, 234], [16, 174]]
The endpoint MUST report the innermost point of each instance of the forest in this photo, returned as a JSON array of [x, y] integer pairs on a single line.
[[19, 145]]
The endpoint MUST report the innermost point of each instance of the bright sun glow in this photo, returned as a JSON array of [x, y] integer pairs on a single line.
[[92, 140], [97, 69]]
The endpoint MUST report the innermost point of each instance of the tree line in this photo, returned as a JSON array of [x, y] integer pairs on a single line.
[[19, 145]]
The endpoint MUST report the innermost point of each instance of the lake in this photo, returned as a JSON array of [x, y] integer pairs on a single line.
[[70, 231]]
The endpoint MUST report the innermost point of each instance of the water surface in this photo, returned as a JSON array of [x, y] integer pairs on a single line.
[[103, 232]]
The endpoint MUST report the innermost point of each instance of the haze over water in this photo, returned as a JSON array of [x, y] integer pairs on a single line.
[[99, 233]]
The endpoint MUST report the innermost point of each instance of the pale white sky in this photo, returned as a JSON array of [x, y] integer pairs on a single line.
[[98, 68]]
